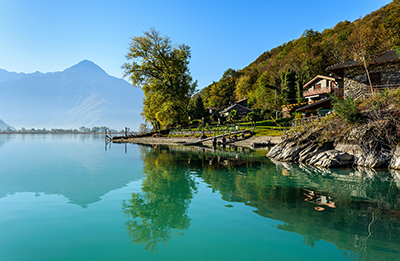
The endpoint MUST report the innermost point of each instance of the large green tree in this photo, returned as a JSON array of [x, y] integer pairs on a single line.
[[161, 70]]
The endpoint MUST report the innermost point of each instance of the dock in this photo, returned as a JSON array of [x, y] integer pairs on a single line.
[[221, 136]]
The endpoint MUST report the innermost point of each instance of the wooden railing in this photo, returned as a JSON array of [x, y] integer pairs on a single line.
[[304, 120], [317, 91]]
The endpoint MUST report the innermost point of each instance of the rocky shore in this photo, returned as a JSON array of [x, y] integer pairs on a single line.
[[331, 155]]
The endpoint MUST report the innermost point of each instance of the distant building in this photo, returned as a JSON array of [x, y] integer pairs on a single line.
[[238, 107], [242, 102], [212, 110]]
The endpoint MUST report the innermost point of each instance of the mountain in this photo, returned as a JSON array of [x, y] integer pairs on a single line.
[[82, 95], [4, 126]]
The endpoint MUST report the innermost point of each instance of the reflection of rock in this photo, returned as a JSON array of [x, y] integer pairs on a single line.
[[396, 176]]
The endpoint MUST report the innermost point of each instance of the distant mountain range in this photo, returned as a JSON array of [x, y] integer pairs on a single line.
[[4, 126], [82, 95]]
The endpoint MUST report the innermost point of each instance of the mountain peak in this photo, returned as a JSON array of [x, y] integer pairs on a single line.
[[86, 66]]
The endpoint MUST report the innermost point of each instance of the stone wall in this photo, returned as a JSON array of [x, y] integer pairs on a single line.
[[355, 78]]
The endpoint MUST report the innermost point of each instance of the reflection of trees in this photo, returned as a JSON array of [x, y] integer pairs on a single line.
[[160, 211], [365, 219], [364, 222]]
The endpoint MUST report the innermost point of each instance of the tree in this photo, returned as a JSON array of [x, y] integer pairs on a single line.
[[232, 116], [363, 43], [143, 128], [222, 92], [196, 108], [162, 71], [288, 80]]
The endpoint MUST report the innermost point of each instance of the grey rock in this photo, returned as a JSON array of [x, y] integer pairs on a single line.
[[312, 149], [395, 161], [286, 151], [332, 158], [373, 160]]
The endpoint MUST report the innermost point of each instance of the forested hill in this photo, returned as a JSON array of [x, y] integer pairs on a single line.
[[289, 66]]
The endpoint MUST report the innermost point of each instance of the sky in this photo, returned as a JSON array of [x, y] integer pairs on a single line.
[[50, 36]]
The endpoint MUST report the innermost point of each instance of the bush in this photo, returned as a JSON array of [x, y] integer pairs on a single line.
[[347, 109]]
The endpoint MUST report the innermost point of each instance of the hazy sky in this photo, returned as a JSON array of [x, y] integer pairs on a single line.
[[54, 35]]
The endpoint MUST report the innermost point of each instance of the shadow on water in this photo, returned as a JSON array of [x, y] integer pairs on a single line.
[[356, 210]]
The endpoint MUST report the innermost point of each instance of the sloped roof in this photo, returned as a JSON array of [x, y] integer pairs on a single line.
[[318, 77], [386, 56], [316, 105], [245, 99], [236, 107]]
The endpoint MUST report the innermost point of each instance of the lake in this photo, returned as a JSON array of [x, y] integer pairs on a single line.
[[70, 197]]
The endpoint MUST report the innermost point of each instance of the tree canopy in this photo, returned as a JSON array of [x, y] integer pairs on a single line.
[[161, 70]]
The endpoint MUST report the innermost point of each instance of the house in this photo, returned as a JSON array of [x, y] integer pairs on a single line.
[[241, 110], [318, 92], [384, 72], [212, 110], [321, 86], [242, 102]]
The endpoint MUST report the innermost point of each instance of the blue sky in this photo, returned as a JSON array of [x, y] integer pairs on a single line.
[[53, 35]]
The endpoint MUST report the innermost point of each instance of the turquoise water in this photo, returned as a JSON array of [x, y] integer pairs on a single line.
[[68, 197]]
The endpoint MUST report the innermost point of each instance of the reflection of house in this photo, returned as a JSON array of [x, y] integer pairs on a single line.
[[240, 107], [383, 70]]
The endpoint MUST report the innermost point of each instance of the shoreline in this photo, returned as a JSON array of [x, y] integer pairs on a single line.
[[246, 142]]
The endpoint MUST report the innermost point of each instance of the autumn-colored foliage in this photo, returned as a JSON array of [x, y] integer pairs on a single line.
[[305, 58]]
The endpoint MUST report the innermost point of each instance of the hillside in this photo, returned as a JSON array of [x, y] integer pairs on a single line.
[[82, 95], [289, 66]]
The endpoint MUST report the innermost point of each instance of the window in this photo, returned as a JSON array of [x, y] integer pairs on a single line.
[[375, 78]]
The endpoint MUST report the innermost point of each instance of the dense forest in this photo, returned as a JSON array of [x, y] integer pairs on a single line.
[[288, 67]]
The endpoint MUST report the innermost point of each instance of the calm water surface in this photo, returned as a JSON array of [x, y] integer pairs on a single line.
[[68, 197]]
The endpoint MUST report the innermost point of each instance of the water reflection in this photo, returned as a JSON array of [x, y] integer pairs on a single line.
[[160, 211], [356, 210]]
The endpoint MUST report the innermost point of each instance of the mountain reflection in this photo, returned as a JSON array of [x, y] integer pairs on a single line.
[[356, 210]]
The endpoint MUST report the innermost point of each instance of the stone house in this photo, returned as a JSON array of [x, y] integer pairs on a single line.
[[384, 71]]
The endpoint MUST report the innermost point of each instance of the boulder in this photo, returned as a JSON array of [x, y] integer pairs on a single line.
[[312, 149], [373, 160], [332, 158], [395, 161], [286, 151]]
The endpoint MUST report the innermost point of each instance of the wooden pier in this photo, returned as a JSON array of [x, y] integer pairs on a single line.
[[221, 136]]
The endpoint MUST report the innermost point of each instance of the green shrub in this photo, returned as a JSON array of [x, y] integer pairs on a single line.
[[347, 109]]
